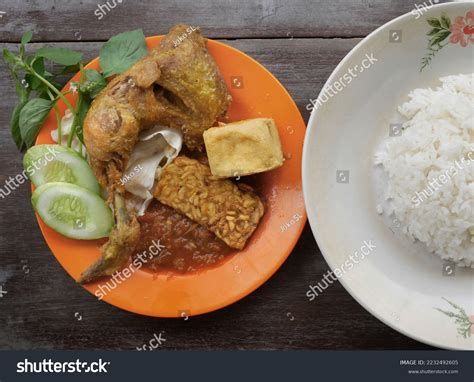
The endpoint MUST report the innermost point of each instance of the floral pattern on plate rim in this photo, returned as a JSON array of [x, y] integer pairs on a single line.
[[461, 32], [464, 322]]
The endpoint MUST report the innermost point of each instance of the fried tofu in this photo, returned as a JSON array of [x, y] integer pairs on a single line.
[[231, 212], [243, 148]]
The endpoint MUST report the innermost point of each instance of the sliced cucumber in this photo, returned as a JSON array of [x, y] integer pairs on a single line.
[[73, 211], [56, 163]]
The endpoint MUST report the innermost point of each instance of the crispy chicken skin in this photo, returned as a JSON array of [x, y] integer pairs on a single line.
[[175, 85]]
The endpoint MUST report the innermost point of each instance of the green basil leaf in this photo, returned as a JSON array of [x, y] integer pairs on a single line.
[[32, 116], [60, 55], [42, 93], [9, 57], [15, 127], [122, 51], [34, 82], [70, 69], [37, 64], [81, 115], [22, 90], [93, 84], [52, 80], [26, 38]]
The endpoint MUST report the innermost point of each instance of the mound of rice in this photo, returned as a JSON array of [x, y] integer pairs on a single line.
[[430, 169]]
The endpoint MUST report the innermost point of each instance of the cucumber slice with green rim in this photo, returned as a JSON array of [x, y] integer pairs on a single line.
[[73, 211], [56, 163]]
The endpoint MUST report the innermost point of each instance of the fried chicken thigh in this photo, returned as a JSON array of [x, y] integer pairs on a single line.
[[176, 86], [112, 125]]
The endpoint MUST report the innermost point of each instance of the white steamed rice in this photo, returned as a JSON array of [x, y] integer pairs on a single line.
[[430, 169]]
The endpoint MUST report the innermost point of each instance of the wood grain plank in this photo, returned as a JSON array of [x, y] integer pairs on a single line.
[[43, 303], [70, 20]]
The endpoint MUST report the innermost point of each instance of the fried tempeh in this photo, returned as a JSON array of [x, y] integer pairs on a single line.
[[231, 212]]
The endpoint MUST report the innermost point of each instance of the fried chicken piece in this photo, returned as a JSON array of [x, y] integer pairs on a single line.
[[231, 212], [112, 125], [191, 90], [176, 86], [117, 251]]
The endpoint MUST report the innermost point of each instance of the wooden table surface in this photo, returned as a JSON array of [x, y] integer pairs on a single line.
[[300, 42]]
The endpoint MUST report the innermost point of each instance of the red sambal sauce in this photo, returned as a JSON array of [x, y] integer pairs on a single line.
[[185, 245]]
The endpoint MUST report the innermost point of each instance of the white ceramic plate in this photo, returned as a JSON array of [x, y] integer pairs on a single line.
[[398, 282]]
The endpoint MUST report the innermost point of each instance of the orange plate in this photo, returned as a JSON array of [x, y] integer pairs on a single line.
[[256, 93]]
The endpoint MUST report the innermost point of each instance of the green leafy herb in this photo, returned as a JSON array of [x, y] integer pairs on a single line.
[[60, 55], [81, 115], [22, 91], [93, 83], [122, 51], [30, 75], [39, 90], [26, 38], [90, 85], [33, 81], [70, 69], [15, 126], [32, 116], [9, 58]]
